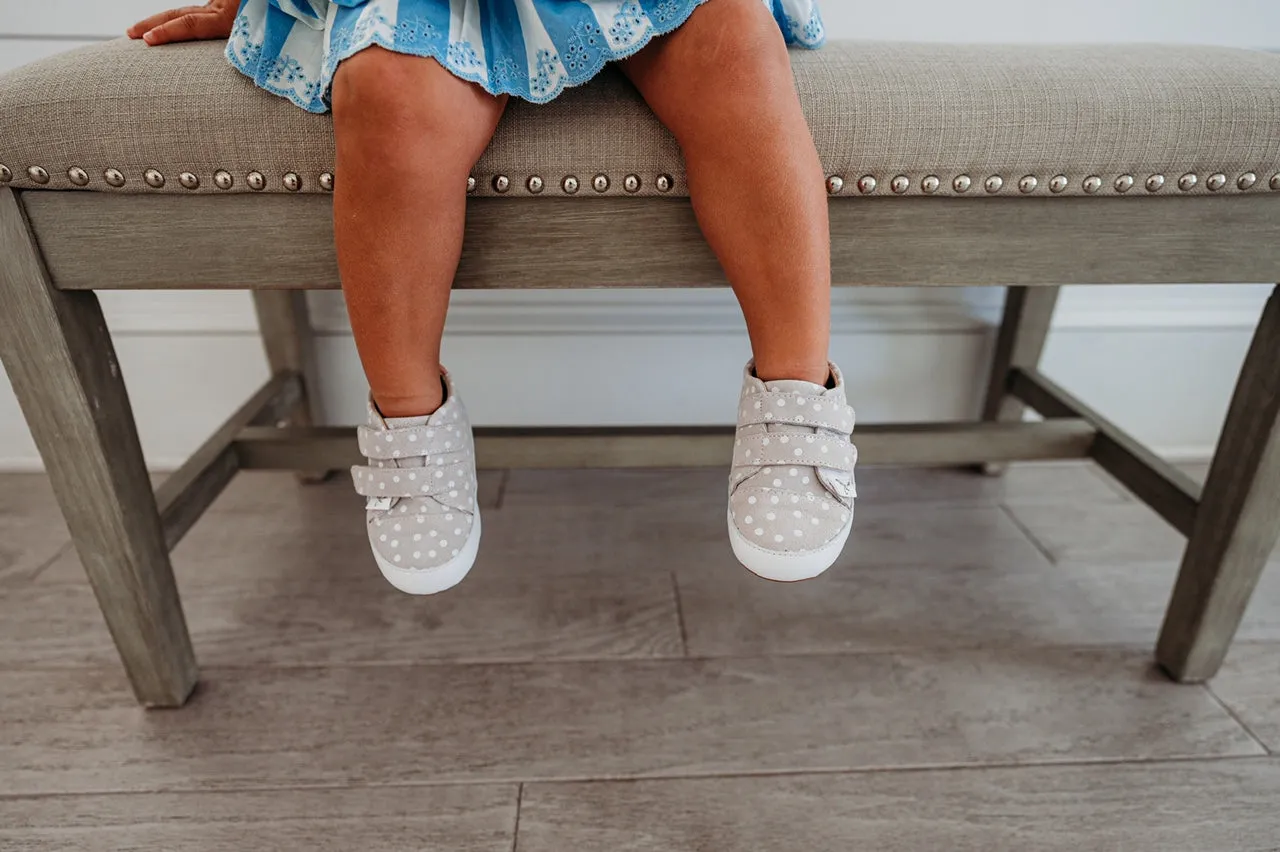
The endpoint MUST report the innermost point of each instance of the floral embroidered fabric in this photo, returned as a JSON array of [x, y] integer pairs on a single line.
[[532, 49]]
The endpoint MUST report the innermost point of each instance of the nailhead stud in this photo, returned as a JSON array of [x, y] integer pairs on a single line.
[[664, 183], [600, 183], [1058, 183], [867, 184], [1028, 184], [570, 185], [189, 180], [534, 184], [962, 183], [1246, 181], [1155, 183], [1124, 183], [78, 176], [223, 179], [835, 185], [256, 181], [1188, 182], [6, 174], [1216, 182], [930, 184], [993, 184], [114, 177], [1092, 184], [291, 181], [1275, 182], [501, 183], [631, 183], [900, 184], [471, 184], [153, 178], [326, 181], [38, 174]]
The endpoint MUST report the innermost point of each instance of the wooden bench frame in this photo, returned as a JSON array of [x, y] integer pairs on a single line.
[[56, 248]]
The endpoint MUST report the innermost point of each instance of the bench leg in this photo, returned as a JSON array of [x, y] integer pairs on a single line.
[[61, 362], [286, 329], [1028, 312], [1238, 521]]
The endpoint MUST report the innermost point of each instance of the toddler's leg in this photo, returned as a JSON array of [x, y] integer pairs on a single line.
[[722, 83], [408, 133]]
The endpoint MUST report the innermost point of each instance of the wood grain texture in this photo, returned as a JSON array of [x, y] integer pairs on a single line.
[[385, 819], [58, 353], [73, 731], [1249, 683], [1238, 523], [1162, 486], [1028, 314], [1227, 806], [98, 241], [284, 323]]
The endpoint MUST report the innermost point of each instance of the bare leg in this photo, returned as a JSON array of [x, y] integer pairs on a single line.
[[722, 83], [408, 133]]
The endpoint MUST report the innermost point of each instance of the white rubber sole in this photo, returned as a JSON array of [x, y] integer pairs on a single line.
[[786, 567], [433, 581]]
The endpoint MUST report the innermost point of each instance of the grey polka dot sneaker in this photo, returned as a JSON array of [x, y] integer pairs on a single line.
[[791, 488], [420, 490]]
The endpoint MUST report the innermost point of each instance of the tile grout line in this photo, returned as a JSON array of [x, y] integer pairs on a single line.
[[684, 630], [515, 829], [52, 559], [1235, 717], [1026, 533]]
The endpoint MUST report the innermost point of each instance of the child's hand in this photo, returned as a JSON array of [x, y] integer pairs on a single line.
[[190, 23]]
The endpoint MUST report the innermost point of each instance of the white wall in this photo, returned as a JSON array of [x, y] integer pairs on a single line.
[[641, 357]]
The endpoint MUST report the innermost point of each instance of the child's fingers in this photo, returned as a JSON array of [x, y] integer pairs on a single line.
[[139, 29], [188, 27]]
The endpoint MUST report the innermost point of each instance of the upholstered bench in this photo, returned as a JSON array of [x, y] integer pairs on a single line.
[[126, 167]]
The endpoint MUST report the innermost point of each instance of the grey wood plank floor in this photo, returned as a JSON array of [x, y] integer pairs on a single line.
[[974, 674]]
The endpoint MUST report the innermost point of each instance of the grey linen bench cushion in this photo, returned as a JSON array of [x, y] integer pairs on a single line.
[[889, 119]]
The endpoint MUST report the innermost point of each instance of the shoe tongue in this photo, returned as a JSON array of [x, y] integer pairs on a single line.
[[795, 386]]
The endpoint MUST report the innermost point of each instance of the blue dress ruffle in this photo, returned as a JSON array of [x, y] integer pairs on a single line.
[[532, 49]]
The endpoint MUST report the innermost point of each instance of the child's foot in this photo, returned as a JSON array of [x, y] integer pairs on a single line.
[[420, 485], [791, 488]]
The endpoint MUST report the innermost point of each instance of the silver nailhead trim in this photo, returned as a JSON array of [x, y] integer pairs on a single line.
[[153, 178], [866, 184], [1246, 181], [1275, 182], [1124, 183], [471, 184], [1059, 183], [993, 184], [5, 174], [570, 185], [114, 177], [256, 181], [962, 183], [835, 185], [930, 184], [189, 180], [38, 174], [631, 183], [600, 183], [326, 181], [534, 184], [501, 183], [1216, 182], [1187, 182], [78, 176], [1155, 183], [900, 184], [1028, 184], [1092, 184], [664, 183], [223, 179], [291, 181]]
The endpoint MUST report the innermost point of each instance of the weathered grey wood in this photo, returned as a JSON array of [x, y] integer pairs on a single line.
[[476, 818], [1239, 519], [285, 325], [926, 445], [1225, 806], [60, 360], [336, 725], [188, 491], [93, 241], [1169, 491]]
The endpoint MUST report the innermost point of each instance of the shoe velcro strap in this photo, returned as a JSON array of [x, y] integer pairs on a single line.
[[410, 441], [802, 409], [433, 481], [761, 449]]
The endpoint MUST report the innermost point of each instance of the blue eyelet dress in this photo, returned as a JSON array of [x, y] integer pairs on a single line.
[[532, 49]]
